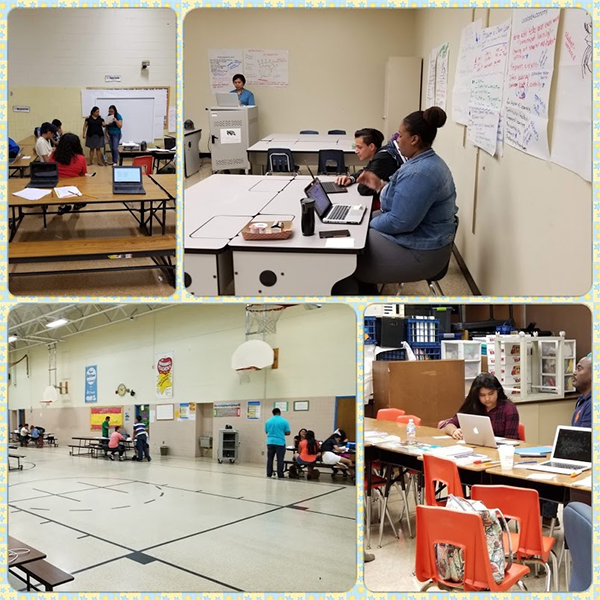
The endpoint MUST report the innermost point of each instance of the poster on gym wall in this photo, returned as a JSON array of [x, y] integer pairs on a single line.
[[164, 375]]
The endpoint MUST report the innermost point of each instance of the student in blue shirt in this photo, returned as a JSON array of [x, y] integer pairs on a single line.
[[409, 239], [276, 429], [245, 97]]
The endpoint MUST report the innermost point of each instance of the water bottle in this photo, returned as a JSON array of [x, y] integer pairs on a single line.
[[411, 432], [308, 216]]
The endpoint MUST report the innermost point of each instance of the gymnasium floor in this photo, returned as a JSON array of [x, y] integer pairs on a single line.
[[182, 525]]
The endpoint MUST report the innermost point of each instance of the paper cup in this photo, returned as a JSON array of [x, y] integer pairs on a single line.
[[507, 457]]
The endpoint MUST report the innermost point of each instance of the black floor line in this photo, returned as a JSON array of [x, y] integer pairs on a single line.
[[148, 501], [117, 507], [82, 536], [53, 494], [317, 512], [80, 510], [93, 488]]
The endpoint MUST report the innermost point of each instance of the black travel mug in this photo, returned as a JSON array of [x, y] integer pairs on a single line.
[[308, 216]]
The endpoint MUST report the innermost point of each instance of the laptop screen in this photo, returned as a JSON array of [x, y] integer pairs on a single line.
[[44, 169], [573, 444], [127, 174], [319, 195]]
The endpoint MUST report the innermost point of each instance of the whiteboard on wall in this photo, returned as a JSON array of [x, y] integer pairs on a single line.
[[164, 412], [119, 97], [138, 117]]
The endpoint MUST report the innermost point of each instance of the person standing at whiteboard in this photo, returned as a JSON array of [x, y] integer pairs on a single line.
[[93, 134], [113, 131], [245, 97]]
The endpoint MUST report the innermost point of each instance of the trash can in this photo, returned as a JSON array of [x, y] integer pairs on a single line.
[[164, 450]]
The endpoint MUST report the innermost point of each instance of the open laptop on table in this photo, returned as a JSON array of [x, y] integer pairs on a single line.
[[571, 452], [341, 214], [331, 187], [227, 100], [127, 180], [43, 175], [477, 430]]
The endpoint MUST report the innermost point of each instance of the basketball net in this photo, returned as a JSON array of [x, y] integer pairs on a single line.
[[244, 374], [261, 319]]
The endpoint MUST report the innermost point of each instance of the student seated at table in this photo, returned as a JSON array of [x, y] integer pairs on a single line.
[[115, 444], [71, 162], [412, 236], [43, 145], [245, 96], [35, 435], [384, 161], [24, 435], [308, 449], [486, 397], [298, 438], [330, 452], [58, 124]]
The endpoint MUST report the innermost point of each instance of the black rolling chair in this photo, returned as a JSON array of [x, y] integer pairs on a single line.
[[280, 160], [331, 162], [309, 132], [336, 132]]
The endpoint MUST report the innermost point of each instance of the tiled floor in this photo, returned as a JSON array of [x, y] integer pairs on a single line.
[[394, 564], [183, 525]]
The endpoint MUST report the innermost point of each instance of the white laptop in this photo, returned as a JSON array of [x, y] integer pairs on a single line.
[[477, 430], [342, 214], [227, 99], [571, 453]]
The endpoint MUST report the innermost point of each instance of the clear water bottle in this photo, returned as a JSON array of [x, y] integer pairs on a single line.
[[411, 432]]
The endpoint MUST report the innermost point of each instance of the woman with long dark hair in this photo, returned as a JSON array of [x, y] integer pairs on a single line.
[[486, 397], [113, 131], [70, 161], [308, 451], [93, 134]]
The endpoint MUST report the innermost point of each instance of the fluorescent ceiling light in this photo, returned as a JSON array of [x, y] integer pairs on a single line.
[[12, 338], [57, 323]]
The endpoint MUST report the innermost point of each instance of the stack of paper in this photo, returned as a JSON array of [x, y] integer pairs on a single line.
[[32, 193], [67, 191]]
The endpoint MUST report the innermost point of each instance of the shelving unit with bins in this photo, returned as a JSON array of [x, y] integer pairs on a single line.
[[467, 350], [228, 445]]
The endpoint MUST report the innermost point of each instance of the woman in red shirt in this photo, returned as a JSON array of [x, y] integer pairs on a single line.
[[71, 163]]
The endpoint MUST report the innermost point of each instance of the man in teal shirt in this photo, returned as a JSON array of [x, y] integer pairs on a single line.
[[276, 429]]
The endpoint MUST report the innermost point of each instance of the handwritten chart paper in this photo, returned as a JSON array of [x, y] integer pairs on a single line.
[[267, 68], [223, 65], [430, 91], [530, 67], [461, 92], [572, 126], [487, 86], [441, 76]]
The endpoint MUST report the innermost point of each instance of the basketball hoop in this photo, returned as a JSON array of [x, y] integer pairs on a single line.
[[244, 374], [46, 403], [261, 319]]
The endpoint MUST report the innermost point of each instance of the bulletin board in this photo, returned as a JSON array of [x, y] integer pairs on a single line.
[[165, 412], [97, 416]]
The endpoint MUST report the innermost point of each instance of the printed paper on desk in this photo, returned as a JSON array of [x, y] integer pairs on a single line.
[[341, 242], [25, 157], [32, 193], [585, 482], [541, 476], [67, 191]]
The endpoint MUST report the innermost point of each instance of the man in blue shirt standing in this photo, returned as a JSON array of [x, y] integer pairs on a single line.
[[582, 382], [276, 429]]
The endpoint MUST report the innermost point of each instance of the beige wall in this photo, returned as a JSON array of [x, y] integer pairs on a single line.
[[55, 53], [336, 63], [525, 224]]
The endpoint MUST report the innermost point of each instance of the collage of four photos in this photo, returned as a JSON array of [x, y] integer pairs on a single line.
[[271, 326]]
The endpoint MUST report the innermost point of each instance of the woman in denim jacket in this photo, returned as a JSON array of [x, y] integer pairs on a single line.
[[408, 239]]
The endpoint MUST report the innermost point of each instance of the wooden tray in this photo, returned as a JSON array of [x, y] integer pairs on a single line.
[[284, 234]]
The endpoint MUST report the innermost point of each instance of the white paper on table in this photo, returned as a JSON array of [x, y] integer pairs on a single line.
[[26, 157], [441, 437], [386, 439], [32, 193], [341, 242], [585, 482], [67, 191], [541, 476]]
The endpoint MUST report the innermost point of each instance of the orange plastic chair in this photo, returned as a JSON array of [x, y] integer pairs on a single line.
[[441, 470], [406, 418], [389, 414], [522, 505], [436, 525], [377, 483], [146, 162], [522, 432]]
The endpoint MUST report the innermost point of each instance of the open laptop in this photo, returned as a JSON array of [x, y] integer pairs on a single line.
[[43, 175], [331, 187], [571, 453], [477, 430], [16, 157], [127, 180], [341, 214], [227, 100]]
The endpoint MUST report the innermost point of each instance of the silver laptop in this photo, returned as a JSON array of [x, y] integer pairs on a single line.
[[477, 430], [127, 180], [571, 453], [227, 99], [342, 214], [331, 187]]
